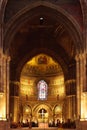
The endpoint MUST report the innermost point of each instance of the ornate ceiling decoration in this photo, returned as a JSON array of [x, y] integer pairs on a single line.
[[40, 65]]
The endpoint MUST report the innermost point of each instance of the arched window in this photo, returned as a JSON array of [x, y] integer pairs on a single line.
[[42, 90]]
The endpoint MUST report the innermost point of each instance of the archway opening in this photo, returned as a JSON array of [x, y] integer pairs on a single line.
[[42, 81]]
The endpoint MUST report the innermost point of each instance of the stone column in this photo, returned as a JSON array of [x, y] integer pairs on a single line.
[[14, 101], [1, 73], [7, 84], [71, 99], [84, 87], [84, 72], [1, 36], [4, 84], [78, 91]]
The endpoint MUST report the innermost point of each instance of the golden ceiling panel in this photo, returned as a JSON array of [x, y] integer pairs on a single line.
[[41, 64]]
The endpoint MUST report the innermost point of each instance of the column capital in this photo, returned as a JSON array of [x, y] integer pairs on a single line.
[[80, 56], [70, 81], [77, 57], [7, 57], [15, 82], [1, 51]]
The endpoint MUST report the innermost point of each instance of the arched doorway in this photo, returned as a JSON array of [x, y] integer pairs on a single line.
[[44, 114]]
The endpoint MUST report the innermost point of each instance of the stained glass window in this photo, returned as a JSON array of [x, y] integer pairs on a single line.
[[42, 90]]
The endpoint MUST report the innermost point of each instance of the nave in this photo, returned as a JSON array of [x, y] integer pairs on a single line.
[[43, 62]]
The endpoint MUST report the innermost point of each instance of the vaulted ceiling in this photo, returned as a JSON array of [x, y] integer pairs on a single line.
[[52, 27]]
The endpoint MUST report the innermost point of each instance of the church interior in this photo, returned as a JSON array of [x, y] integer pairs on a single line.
[[43, 63]]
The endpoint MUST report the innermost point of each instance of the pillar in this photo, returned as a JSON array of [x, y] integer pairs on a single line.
[[14, 101], [4, 86], [71, 99], [1, 36], [84, 69], [7, 84], [70, 85], [2, 90], [81, 86], [78, 89], [84, 88]]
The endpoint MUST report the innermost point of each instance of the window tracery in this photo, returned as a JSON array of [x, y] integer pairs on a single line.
[[42, 90]]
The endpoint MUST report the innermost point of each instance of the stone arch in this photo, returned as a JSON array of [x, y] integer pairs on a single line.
[[2, 12], [37, 107], [38, 51], [56, 105], [25, 13]]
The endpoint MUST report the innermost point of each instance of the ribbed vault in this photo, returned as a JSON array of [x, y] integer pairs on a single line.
[[60, 32]]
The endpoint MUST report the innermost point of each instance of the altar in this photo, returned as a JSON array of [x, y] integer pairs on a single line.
[[43, 125]]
